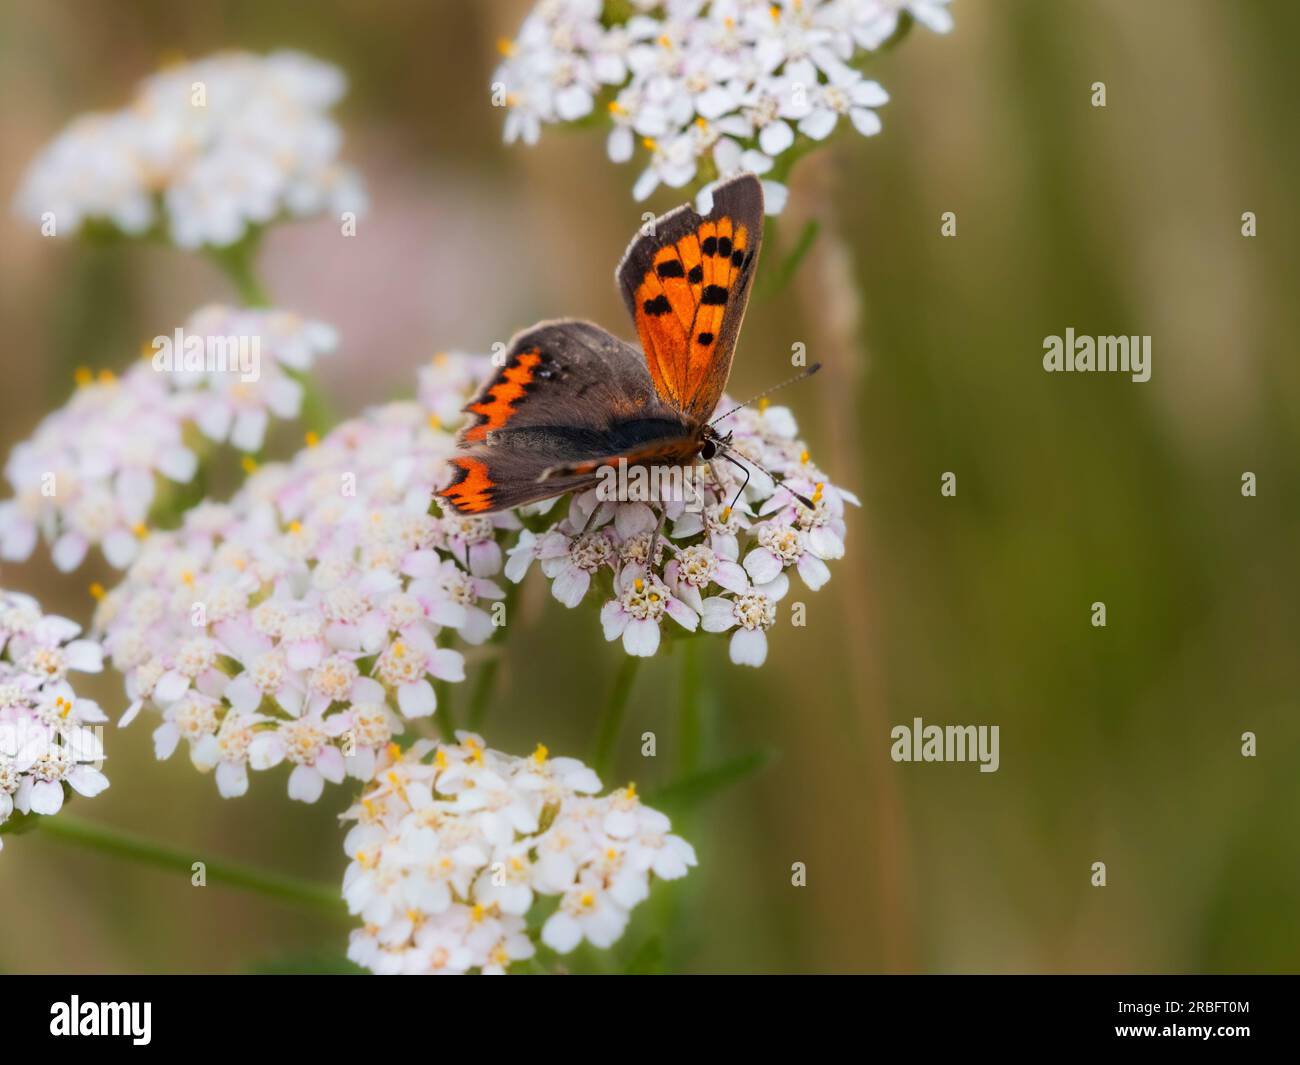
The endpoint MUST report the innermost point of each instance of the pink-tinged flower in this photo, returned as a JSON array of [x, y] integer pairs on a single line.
[[472, 541], [450, 595], [89, 474], [308, 618], [751, 614], [875, 21], [702, 88], [205, 152], [307, 744], [246, 374], [446, 381], [94, 470], [720, 553], [697, 567], [571, 562], [452, 844], [637, 612], [48, 734], [780, 546]]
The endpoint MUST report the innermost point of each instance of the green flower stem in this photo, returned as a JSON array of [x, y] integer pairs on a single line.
[[317, 412], [481, 696], [445, 718], [237, 262], [689, 725], [611, 721], [323, 898], [485, 683]]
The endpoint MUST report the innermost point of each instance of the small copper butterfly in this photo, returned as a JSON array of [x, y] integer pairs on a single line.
[[571, 398]]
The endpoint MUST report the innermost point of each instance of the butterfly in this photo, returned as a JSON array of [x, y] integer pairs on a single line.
[[570, 398]]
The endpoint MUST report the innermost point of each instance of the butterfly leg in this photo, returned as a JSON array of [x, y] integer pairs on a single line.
[[778, 481], [717, 479], [745, 484], [654, 540], [586, 522]]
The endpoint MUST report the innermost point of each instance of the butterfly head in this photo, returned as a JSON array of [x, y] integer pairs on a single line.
[[711, 443]]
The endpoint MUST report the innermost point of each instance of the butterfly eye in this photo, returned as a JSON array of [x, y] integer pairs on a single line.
[[708, 449]]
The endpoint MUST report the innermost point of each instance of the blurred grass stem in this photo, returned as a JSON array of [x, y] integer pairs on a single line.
[[323, 898]]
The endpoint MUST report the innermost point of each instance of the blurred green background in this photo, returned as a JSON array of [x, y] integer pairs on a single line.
[[1120, 744]]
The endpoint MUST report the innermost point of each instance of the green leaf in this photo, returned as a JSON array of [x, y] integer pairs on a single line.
[[688, 792], [780, 277]]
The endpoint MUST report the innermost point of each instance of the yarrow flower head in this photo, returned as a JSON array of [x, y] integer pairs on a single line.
[[46, 740], [307, 620], [451, 846], [708, 88], [722, 558], [204, 152], [247, 372], [93, 471]]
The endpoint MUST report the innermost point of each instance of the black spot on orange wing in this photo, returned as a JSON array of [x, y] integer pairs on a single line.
[[700, 270]]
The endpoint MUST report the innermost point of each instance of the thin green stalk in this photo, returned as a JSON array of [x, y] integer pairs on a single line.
[[689, 725], [321, 897], [484, 683], [611, 721], [445, 717], [317, 412], [237, 262]]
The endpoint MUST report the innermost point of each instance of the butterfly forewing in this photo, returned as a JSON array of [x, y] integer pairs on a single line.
[[686, 285], [568, 394]]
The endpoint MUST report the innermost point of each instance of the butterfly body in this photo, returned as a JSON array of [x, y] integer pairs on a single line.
[[571, 398]]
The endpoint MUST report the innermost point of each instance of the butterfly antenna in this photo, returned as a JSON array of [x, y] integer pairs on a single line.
[[778, 481], [808, 372]]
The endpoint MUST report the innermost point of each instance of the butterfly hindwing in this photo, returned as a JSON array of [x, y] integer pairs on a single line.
[[686, 285], [565, 372], [488, 479], [567, 394]]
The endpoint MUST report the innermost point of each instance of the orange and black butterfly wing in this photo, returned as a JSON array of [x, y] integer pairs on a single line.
[[686, 285], [567, 394]]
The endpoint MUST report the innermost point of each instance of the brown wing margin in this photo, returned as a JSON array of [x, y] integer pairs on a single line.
[[687, 286]]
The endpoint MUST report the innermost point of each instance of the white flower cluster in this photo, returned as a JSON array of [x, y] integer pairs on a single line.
[[445, 382], [721, 564], [44, 739], [206, 150], [91, 472], [454, 843], [307, 618], [710, 87]]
